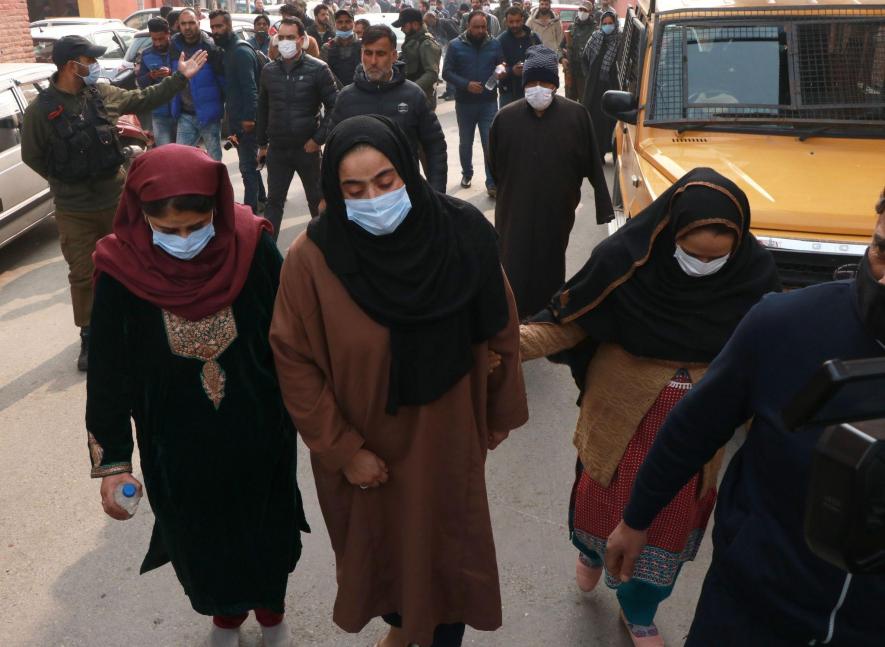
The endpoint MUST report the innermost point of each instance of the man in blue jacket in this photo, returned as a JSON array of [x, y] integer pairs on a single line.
[[514, 42], [470, 62], [199, 107], [764, 586], [241, 69], [152, 65]]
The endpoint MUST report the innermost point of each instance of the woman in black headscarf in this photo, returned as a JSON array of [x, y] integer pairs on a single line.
[[388, 308], [638, 325], [598, 62]]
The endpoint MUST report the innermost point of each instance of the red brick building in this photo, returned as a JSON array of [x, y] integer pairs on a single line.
[[15, 35]]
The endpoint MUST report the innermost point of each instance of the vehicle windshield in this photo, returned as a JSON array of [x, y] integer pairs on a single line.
[[785, 72], [43, 50]]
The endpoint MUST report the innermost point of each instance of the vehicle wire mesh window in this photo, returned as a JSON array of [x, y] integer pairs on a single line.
[[801, 70], [629, 55]]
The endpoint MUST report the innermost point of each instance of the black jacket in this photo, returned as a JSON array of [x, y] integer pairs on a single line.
[[405, 103], [289, 104]]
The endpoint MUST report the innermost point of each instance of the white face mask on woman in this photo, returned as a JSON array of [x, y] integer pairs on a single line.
[[539, 97], [695, 266], [382, 214]]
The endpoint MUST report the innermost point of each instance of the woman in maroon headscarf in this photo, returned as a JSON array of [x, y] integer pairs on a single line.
[[184, 294]]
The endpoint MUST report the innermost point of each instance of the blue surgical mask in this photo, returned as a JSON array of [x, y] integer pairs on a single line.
[[94, 73], [696, 267], [184, 248], [608, 29], [344, 34], [381, 215]]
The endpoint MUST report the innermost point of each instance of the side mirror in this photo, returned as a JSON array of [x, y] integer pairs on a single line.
[[622, 106]]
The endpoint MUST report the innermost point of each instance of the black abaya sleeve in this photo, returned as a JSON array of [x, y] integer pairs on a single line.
[[594, 172], [108, 396]]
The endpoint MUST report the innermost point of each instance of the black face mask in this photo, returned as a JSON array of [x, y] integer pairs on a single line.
[[870, 300]]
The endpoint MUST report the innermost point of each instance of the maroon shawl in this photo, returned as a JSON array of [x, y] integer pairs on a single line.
[[211, 280]]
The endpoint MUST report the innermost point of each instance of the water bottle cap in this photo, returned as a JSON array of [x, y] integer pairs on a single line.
[[129, 490]]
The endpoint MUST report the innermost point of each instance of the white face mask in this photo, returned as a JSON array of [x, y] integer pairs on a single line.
[[539, 97], [695, 266], [382, 214], [288, 48]]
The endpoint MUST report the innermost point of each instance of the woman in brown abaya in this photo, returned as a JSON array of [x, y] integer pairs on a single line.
[[387, 310]]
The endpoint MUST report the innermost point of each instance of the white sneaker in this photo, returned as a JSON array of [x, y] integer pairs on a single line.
[[219, 637], [276, 636]]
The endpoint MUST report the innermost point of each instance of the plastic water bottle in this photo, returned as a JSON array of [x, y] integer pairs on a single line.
[[127, 497]]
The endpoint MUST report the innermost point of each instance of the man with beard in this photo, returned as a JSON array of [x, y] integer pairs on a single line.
[[421, 53], [764, 585], [472, 60], [241, 69], [575, 40], [515, 41], [152, 65], [501, 11], [198, 108], [547, 26], [261, 38], [322, 29], [540, 150], [289, 130], [380, 87], [343, 54]]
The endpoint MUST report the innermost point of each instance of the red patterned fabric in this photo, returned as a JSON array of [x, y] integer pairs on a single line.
[[675, 535]]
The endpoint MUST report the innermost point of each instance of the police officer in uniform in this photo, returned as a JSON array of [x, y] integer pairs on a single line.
[[69, 137], [421, 53]]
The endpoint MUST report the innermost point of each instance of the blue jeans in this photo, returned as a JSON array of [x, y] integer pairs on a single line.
[[471, 115], [190, 131], [163, 127], [253, 185]]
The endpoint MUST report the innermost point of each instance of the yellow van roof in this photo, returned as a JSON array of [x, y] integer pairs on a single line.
[[661, 6]]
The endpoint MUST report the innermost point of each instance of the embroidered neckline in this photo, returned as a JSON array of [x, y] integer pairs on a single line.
[[205, 340]]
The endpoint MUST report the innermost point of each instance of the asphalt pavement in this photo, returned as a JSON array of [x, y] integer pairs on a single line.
[[69, 574]]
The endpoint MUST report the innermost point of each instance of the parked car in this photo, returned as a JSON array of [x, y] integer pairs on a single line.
[[115, 36], [24, 196], [66, 22], [124, 76], [786, 99], [139, 19]]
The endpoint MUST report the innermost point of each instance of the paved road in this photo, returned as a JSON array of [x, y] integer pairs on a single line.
[[69, 574]]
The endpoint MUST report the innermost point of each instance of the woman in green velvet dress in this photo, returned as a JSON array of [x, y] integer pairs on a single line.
[[184, 295]]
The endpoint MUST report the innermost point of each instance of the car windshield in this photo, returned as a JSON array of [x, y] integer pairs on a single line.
[[786, 72]]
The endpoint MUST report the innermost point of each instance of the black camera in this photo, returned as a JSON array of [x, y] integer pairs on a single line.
[[845, 509]]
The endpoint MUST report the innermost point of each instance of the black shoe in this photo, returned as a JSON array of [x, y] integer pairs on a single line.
[[492, 191], [465, 181], [83, 359]]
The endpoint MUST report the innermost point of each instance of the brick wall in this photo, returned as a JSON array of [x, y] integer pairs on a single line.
[[15, 35]]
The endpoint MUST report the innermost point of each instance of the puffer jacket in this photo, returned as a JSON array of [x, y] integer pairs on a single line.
[[289, 102], [466, 61], [206, 87], [406, 104]]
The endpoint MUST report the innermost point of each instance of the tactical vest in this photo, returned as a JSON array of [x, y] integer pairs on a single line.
[[81, 147]]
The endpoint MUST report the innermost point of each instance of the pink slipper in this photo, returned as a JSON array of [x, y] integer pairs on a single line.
[[643, 636], [587, 577]]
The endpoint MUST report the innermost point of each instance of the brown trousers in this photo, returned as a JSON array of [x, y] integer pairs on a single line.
[[78, 233]]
